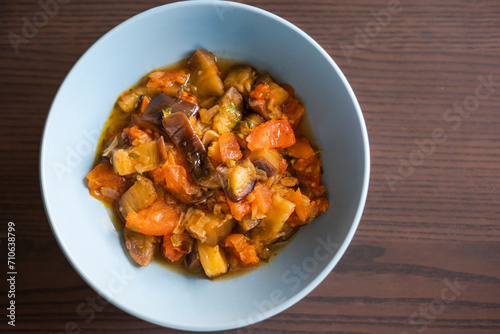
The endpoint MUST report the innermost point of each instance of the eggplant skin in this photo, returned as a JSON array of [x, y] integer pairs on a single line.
[[141, 247], [205, 73], [160, 103], [231, 96], [241, 77], [237, 180], [265, 166], [192, 260], [266, 160], [250, 121], [180, 131]]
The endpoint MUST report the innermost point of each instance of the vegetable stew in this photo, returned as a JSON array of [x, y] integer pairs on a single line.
[[206, 166]]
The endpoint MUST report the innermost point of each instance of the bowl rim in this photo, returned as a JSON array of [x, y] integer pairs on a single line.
[[320, 276]]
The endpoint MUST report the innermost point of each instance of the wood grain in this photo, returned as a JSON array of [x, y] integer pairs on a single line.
[[438, 224]]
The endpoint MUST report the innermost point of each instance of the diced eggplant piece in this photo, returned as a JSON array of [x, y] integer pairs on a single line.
[[270, 161], [205, 74], [247, 223], [213, 260], [208, 137], [271, 226], [262, 79], [129, 100], [249, 122], [208, 227], [192, 260], [261, 175], [140, 158], [226, 119], [280, 94], [259, 106], [163, 148], [141, 195], [182, 134], [166, 104], [270, 107], [140, 247], [207, 101], [169, 82], [211, 181], [203, 196], [231, 97], [230, 111], [241, 77], [286, 234], [238, 179]]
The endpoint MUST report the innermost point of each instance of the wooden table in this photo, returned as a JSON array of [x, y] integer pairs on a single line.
[[426, 256]]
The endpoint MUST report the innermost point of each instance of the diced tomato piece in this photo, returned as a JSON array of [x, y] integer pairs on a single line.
[[262, 91], [168, 78], [301, 149], [303, 205], [175, 157], [308, 171], [175, 246], [271, 134], [241, 249], [105, 185], [159, 219], [136, 136], [175, 176], [321, 204], [229, 147], [294, 220], [177, 179], [261, 200], [239, 209], [316, 207], [294, 111]]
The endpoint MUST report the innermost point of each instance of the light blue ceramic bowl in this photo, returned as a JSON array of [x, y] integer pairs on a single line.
[[156, 38]]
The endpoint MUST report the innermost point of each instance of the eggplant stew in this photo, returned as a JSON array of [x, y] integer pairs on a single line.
[[207, 166]]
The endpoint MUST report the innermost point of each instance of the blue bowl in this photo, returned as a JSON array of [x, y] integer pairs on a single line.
[[156, 38]]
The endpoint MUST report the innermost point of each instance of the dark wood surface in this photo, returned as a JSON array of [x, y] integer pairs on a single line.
[[430, 221]]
